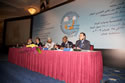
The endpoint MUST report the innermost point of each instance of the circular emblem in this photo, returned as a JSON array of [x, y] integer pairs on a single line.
[[69, 24]]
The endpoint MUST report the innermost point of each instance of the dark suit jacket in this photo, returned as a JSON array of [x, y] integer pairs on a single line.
[[85, 44], [68, 45], [40, 44]]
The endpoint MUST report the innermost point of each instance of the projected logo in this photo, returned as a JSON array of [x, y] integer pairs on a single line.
[[69, 24]]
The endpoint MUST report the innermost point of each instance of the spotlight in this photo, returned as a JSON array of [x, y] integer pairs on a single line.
[[32, 10]]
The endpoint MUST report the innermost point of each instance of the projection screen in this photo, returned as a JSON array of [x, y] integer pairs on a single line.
[[103, 21]]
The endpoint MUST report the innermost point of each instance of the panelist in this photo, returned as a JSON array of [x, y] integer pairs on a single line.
[[29, 41], [66, 43], [49, 44], [82, 43], [38, 42]]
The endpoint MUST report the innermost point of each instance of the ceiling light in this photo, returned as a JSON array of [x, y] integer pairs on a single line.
[[32, 10]]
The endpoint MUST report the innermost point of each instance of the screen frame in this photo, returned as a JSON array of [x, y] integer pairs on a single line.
[[15, 19]]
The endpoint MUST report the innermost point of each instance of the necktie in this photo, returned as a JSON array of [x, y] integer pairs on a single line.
[[67, 45], [81, 44]]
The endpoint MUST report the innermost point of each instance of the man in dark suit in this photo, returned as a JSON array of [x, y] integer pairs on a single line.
[[82, 43], [66, 43]]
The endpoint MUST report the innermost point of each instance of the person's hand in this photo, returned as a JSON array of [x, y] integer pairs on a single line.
[[78, 48], [56, 46], [74, 48], [61, 48]]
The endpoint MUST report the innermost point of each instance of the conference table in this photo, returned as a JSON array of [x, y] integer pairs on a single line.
[[68, 66]]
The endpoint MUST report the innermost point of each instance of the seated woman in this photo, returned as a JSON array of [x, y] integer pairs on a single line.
[[29, 41], [38, 42], [49, 44]]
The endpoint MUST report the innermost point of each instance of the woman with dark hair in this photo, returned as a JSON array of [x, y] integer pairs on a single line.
[[38, 42]]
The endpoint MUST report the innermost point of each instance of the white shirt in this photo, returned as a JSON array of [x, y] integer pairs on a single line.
[[49, 45]]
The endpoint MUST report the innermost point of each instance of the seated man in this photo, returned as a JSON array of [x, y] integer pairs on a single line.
[[49, 44], [66, 43], [82, 43]]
